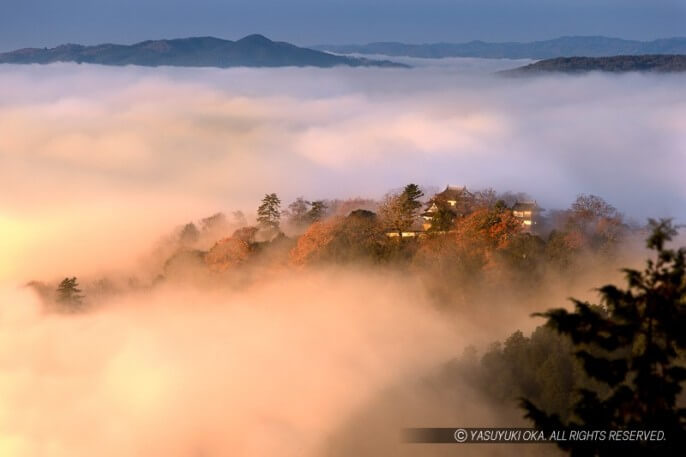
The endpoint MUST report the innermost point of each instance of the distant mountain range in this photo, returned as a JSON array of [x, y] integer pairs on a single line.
[[251, 51], [615, 64], [587, 46]]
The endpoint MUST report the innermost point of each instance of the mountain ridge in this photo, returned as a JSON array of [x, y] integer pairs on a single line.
[[658, 63], [565, 46], [250, 51]]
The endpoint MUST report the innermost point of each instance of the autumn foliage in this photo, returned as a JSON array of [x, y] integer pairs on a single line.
[[227, 253], [312, 245]]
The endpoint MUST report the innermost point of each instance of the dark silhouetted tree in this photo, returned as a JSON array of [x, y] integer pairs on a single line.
[[634, 344], [412, 195], [443, 219], [189, 234], [317, 211], [69, 294]]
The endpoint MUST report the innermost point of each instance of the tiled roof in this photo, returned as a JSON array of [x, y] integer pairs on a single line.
[[453, 192], [525, 206]]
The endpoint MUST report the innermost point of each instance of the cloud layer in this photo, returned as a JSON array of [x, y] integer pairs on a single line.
[[271, 369], [96, 159], [96, 163]]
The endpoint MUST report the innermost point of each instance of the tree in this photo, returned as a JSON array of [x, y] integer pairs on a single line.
[[394, 215], [214, 222], [228, 253], [359, 236], [356, 237], [586, 208], [488, 228], [317, 211], [69, 294], [524, 256], [561, 248], [443, 219], [297, 212], [633, 343], [269, 212], [399, 211], [595, 222], [539, 366], [486, 198], [412, 195], [189, 234], [246, 234], [313, 245]]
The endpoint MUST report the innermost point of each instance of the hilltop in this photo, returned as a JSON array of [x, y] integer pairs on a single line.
[[614, 64], [251, 51]]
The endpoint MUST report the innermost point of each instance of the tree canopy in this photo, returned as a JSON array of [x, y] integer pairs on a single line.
[[269, 212], [398, 211], [633, 343], [69, 294]]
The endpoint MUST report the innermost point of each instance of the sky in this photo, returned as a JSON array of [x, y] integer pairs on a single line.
[[37, 23]]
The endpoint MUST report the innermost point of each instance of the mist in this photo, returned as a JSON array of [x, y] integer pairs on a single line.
[[185, 372], [106, 156], [98, 164]]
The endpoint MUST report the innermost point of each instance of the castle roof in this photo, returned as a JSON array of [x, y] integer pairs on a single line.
[[525, 206], [453, 192]]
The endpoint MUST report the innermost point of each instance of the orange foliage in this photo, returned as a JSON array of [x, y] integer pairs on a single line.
[[575, 240], [313, 241], [491, 228], [227, 253], [485, 230]]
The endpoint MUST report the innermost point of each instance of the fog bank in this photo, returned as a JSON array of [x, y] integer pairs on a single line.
[[100, 158], [272, 369]]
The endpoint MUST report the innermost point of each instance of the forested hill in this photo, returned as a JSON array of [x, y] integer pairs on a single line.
[[251, 51], [592, 46], [614, 64]]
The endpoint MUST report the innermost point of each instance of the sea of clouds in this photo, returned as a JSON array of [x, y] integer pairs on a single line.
[[97, 156], [96, 163]]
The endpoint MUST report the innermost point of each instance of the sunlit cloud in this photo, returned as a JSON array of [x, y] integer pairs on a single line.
[[96, 151]]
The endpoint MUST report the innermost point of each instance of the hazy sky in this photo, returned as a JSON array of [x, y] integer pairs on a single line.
[[48, 22]]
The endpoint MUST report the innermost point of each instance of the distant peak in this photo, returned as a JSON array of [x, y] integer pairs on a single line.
[[255, 38]]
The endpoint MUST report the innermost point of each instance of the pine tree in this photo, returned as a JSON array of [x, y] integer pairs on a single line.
[[399, 211], [443, 219], [69, 294], [317, 211], [269, 212], [634, 344], [411, 196]]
